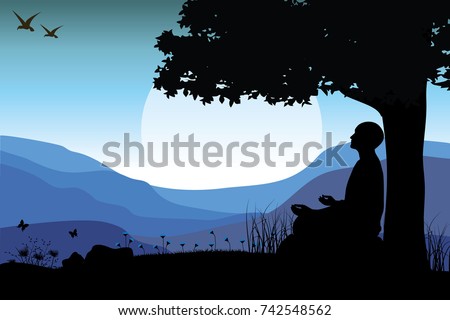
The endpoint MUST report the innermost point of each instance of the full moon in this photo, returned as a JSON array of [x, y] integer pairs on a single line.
[[194, 146]]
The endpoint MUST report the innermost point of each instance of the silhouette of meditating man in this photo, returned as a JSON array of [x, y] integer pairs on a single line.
[[355, 220]]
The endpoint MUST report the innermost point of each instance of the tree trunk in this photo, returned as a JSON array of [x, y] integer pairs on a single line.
[[404, 127]]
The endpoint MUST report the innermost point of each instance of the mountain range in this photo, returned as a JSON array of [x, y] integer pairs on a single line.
[[278, 192], [43, 183]]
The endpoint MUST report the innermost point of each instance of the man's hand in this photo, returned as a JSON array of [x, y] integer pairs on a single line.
[[327, 200], [299, 209]]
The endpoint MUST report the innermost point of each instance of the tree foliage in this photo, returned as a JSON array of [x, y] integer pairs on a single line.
[[286, 51]]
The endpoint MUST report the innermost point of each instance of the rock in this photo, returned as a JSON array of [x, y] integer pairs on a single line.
[[73, 262], [105, 257]]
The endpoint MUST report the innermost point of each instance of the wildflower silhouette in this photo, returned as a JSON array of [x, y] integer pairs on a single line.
[[242, 244], [195, 246], [140, 246], [229, 244], [38, 257], [215, 240], [125, 234], [182, 244], [23, 254], [54, 254], [162, 237]]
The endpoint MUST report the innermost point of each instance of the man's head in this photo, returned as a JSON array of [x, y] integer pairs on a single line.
[[367, 136]]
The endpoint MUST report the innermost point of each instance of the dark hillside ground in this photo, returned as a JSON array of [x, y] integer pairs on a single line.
[[217, 275]]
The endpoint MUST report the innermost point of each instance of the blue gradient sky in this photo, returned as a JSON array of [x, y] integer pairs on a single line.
[[90, 85]]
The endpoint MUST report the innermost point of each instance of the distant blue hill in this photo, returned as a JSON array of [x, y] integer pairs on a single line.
[[110, 187], [25, 196], [50, 155], [236, 199], [62, 168]]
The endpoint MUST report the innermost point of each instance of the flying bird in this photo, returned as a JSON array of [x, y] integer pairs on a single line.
[[22, 225], [26, 25], [51, 33], [73, 233]]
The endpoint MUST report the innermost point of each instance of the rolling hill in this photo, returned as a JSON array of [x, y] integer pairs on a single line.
[[79, 188], [41, 182], [27, 197], [280, 191]]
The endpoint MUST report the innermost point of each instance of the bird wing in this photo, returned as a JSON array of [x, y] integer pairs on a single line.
[[54, 30], [31, 18], [48, 31], [18, 17]]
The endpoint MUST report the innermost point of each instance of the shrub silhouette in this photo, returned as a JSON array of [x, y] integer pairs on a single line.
[[36, 252]]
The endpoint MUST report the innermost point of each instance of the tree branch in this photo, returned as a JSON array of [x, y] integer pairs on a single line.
[[361, 97]]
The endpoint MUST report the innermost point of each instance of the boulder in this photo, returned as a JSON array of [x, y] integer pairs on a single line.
[[105, 257], [75, 261]]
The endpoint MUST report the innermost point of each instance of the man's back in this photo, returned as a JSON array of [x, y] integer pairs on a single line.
[[364, 197]]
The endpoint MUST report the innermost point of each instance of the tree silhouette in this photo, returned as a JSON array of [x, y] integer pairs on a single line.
[[379, 53]]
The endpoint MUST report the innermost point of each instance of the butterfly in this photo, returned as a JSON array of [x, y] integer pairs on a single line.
[[73, 233], [23, 225]]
